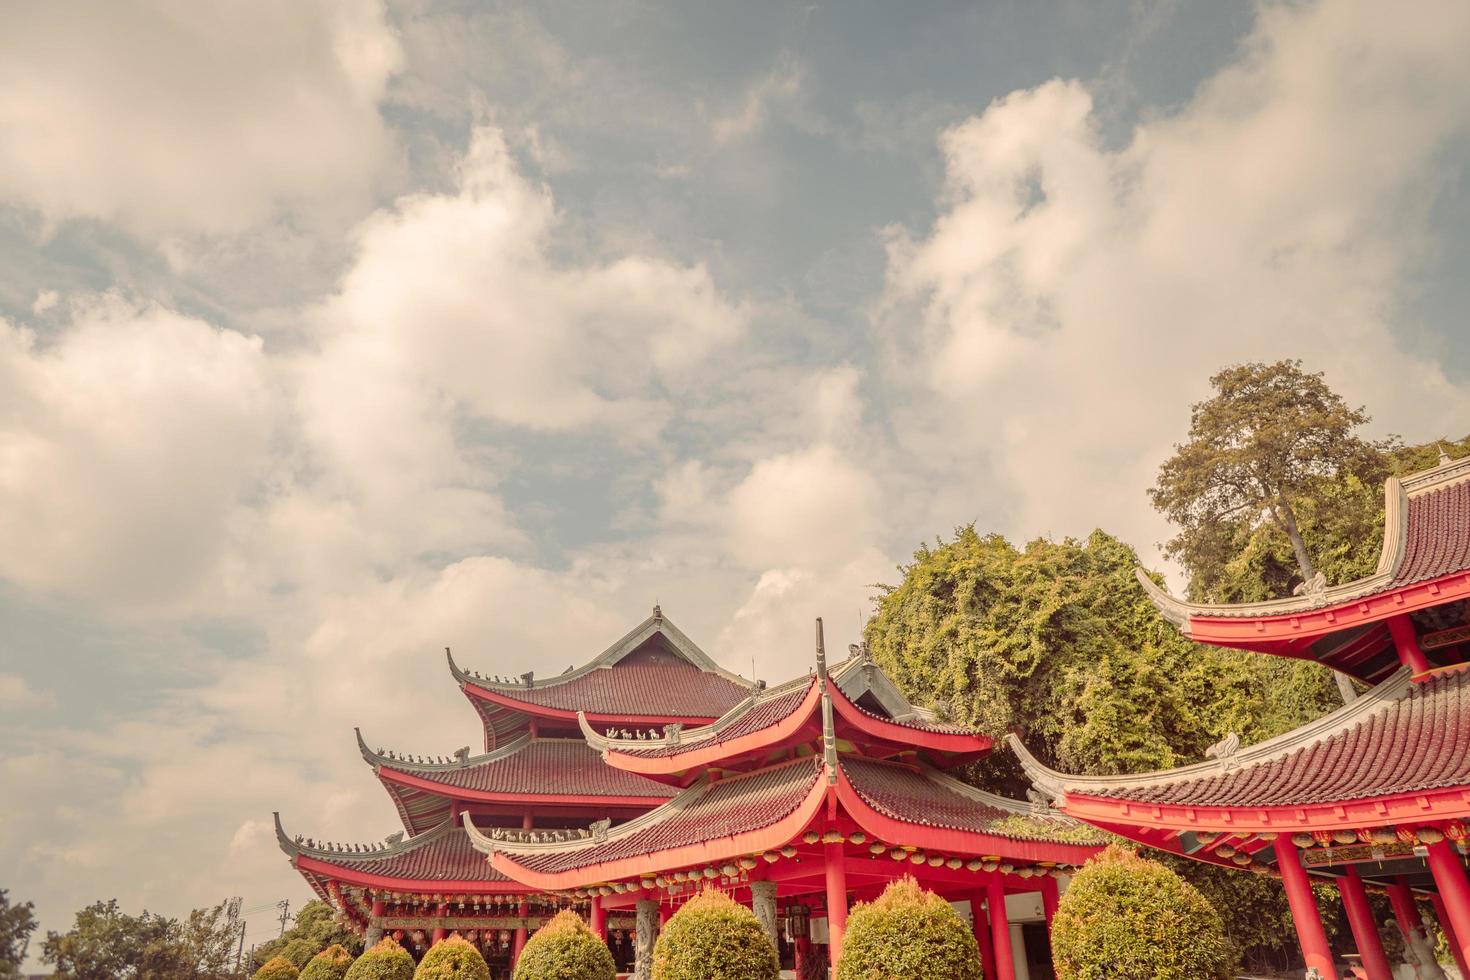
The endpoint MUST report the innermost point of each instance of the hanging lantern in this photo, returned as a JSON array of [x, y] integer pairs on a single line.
[[898, 854], [1384, 835], [811, 836], [1225, 851], [1323, 837], [936, 861], [989, 865], [748, 862], [1455, 831], [472, 936], [770, 857], [918, 857], [974, 864], [1006, 869], [877, 848], [398, 935], [954, 864], [798, 921], [1430, 835], [1407, 835], [1344, 837], [729, 870], [789, 851], [832, 837], [1303, 841], [857, 837], [1206, 838], [1242, 859], [504, 938]]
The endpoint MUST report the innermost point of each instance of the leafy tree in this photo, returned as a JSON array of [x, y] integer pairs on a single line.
[[565, 949], [106, 943], [1126, 918], [452, 959], [1270, 441], [713, 937], [908, 932], [316, 927], [17, 922], [385, 961]]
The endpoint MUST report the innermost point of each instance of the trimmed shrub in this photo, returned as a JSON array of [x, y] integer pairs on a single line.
[[911, 933], [452, 959], [1126, 918], [713, 937], [330, 964], [385, 961], [565, 949], [277, 968]]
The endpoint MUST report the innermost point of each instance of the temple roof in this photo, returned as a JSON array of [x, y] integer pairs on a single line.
[[522, 771], [655, 671], [1426, 536], [1400, 738], [438, 858]]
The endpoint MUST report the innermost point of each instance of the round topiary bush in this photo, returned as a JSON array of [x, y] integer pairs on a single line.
[[385, 961], [713, 937], [452, 959], [330, 964], [277, 968], [911, 933], [565, 949], [1125, 918]]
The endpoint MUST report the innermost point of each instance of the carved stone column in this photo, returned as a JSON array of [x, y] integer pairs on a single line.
[[374, 933], [647, 931], [763, 904]]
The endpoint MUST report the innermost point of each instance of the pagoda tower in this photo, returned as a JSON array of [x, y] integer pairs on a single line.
[[1373, 796]]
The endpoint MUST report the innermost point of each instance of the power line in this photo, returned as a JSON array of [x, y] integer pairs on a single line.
[[285, 913]]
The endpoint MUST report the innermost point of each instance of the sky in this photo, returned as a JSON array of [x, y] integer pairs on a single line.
[[335, 332]]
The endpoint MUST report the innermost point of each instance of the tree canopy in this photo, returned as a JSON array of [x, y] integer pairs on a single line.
[[17, 922], [315, 929], [106, 943]]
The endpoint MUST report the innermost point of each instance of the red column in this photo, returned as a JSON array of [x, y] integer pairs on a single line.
[[1000, 928], [519, 942], [1050, 896], [1442, 913], [981, 924], [599, 918], [836, 901], [1304, 912], [1454, 891], [1365, 930], [1407, 644]]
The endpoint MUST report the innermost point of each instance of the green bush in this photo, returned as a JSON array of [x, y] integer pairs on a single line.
[[277, 968], [298, 952], [1125, 918], [330, 964], [452, 959], [712, 937], [565, 949], [911, 933], [385, 961]]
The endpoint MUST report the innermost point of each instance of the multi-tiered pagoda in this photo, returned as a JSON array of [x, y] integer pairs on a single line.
[[1373, 796], [622, 787]]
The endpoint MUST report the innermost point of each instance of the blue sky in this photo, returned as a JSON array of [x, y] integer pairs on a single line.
[[335, 332]]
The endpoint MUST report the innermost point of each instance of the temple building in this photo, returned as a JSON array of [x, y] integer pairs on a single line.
[[1374, 796], [622, 787]]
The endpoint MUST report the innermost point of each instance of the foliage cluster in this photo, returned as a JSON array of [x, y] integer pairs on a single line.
[[908, 932], [331, 963], [713, 937], [452, 959], [385, 961], [565, 949], [1126, 918], [17, 922], [315, 928], [105, 942], [277, 968]]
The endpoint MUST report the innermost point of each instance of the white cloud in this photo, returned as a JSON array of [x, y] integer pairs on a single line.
[[206, 116], [16, 694], [1068, 290], [807, 509], [128, 447], [777, 87]]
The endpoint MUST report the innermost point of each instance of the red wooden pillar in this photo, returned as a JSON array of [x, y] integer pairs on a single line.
[[1442, 913], [1406, 644], [1051, 895], [528, 822], [980, 921], [1454, 892], [1365, 930], [836, 873], [441, 932], [599, 918], [1304, 912], [1000, 928]]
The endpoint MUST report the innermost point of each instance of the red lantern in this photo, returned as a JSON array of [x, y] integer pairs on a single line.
[[1323, 837], [1455, 831], [1407, 835]]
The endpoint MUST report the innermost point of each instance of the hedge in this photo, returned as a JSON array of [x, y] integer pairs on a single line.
[[565, 949], [911, 933], [712, 937], [452, 959], [331, 963], [277, 968], [385, 961], [1126, 918]]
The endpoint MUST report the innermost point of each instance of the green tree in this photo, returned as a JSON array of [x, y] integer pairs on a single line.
[[713, 937], [277, 968], [1126, 918], [106, 943], [331, 963], [908, 932], [565, 949], [315, 928], [1268, 444], [452, 959], [17, 922], [385, 961]]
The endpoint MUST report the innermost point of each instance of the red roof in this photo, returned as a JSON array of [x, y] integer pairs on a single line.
[[1401, 738], [442, 854], [1437, 535], [761, 715], [648, 682], [913, 795], [534, 767], [702, 813]]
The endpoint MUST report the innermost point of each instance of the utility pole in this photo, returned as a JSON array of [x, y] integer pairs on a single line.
[[240, 950], [285, 908]]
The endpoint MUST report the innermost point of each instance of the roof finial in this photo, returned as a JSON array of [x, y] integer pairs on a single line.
[[821, 652], [1444, 457], [658, 613]]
